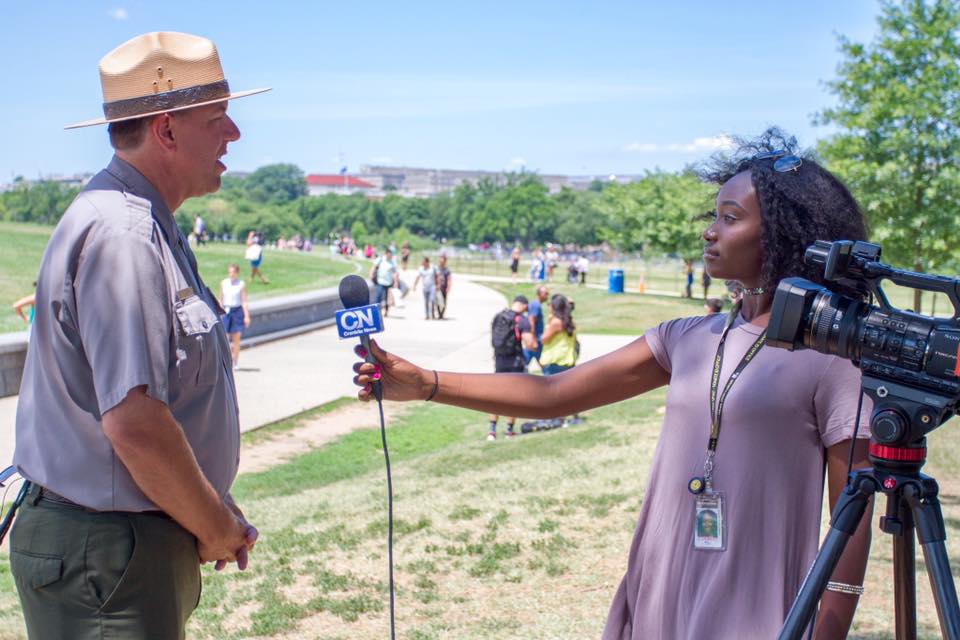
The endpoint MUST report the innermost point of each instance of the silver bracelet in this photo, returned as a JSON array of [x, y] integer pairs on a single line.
[[842, 587]]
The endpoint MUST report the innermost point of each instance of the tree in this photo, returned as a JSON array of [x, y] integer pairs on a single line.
[[658, 213], [899, 113], [276, 183], [580, 217], [41, 202], [412, 213]]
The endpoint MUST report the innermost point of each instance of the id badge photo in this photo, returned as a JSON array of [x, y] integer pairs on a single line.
[[709, 522]]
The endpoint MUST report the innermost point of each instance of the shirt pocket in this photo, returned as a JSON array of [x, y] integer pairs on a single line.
[[198, 353]]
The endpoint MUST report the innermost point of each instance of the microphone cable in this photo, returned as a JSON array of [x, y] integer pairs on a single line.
[[386, 457], [856, 424]]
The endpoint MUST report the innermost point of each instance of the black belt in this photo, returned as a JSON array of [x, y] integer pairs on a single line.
[[37, 493]]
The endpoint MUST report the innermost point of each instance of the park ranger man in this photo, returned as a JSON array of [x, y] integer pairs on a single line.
[[127, 427]]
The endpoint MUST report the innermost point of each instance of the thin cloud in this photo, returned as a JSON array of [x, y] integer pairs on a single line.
[[119, 13], [517, 163], [698, 145]]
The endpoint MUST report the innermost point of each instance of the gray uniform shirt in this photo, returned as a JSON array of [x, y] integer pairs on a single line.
[[119, 307]]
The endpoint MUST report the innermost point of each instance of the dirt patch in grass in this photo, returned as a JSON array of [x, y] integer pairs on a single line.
[[271, 449]]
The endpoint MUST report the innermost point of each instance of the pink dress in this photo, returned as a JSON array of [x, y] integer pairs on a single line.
[[780, 416]]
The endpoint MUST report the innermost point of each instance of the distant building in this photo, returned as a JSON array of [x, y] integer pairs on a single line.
[[319, 184], [418, 182], [77, 180]]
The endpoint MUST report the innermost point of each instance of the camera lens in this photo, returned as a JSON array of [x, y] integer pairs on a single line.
[[832, 324]]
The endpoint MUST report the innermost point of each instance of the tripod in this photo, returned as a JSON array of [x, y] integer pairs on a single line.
[[911, 503]]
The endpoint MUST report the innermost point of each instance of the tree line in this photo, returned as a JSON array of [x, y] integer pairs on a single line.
[[897, 145], [657, 213]]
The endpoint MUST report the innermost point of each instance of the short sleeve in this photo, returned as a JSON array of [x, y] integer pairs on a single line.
[[524, 325], [835, 403], [124, 316], [662, 338]]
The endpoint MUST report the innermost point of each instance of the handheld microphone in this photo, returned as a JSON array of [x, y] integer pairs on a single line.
[[359, 318]]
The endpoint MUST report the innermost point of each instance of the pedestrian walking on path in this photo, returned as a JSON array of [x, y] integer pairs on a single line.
[[384, 275], [444, 284], [233, 299], [428, 275]]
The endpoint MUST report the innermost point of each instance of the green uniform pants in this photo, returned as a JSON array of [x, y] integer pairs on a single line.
[[83, 574]]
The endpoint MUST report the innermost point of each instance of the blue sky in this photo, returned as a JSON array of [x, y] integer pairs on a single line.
[[556, 87]]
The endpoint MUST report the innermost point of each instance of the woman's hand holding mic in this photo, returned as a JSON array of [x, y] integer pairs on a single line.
[[401, 380]]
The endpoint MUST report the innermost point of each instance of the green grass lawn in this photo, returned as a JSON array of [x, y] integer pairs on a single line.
[[666, 276], [519, 539], [659, 275], [597, 311], [480, 531], [22, 245]]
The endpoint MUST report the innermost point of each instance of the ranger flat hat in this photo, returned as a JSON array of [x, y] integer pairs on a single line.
[[160, 72]]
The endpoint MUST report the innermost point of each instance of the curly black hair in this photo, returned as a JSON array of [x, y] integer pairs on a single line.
[[797, 207]]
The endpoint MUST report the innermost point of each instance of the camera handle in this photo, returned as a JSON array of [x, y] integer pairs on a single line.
[[874, 272], [856, 265], [911, 497]]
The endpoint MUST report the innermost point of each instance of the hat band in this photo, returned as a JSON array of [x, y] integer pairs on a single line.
[[177, 99]]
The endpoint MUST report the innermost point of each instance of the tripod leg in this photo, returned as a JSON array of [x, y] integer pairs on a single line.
[[932, 534], [843, 524], [904, 566]]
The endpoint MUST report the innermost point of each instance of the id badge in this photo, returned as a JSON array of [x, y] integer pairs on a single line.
[[709, 522]]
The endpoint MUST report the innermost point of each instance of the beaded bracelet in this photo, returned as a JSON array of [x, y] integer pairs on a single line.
[[842, 587]]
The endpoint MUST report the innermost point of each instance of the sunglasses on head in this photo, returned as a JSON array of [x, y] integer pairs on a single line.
[[784, 162]]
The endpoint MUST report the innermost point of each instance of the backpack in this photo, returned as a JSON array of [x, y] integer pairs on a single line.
[[505, 333]]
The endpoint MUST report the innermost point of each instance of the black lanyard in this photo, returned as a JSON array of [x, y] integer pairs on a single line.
[[716, 408]]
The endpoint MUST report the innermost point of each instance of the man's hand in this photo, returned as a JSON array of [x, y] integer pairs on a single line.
[[153, 448], [250, 538], [225, 542]]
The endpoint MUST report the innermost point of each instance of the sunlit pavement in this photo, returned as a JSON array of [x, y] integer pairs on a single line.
[[279, 379]]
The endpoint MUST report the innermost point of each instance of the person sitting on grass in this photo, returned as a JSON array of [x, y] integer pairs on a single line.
[[788, 417]]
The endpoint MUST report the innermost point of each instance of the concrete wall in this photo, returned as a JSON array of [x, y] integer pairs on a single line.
[[13, 353], [270, 319]]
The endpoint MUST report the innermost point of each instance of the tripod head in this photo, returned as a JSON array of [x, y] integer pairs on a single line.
[[902, 417]]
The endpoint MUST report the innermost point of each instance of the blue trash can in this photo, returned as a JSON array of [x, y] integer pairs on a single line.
[[615, 281]]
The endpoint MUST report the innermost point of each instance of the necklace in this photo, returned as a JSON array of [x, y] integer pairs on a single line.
[[755, 291]]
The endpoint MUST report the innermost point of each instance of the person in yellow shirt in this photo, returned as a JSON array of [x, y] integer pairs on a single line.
[[559, 337], [560, 345]]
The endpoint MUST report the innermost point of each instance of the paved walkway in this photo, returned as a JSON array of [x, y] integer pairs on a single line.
[[279, 379]]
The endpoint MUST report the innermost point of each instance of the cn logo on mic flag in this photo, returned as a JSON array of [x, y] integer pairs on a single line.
[[359, 321]]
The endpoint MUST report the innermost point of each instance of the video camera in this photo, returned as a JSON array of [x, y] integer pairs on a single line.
[[910, 362]]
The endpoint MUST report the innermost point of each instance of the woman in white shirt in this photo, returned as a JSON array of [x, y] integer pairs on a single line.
[[233, 297]]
